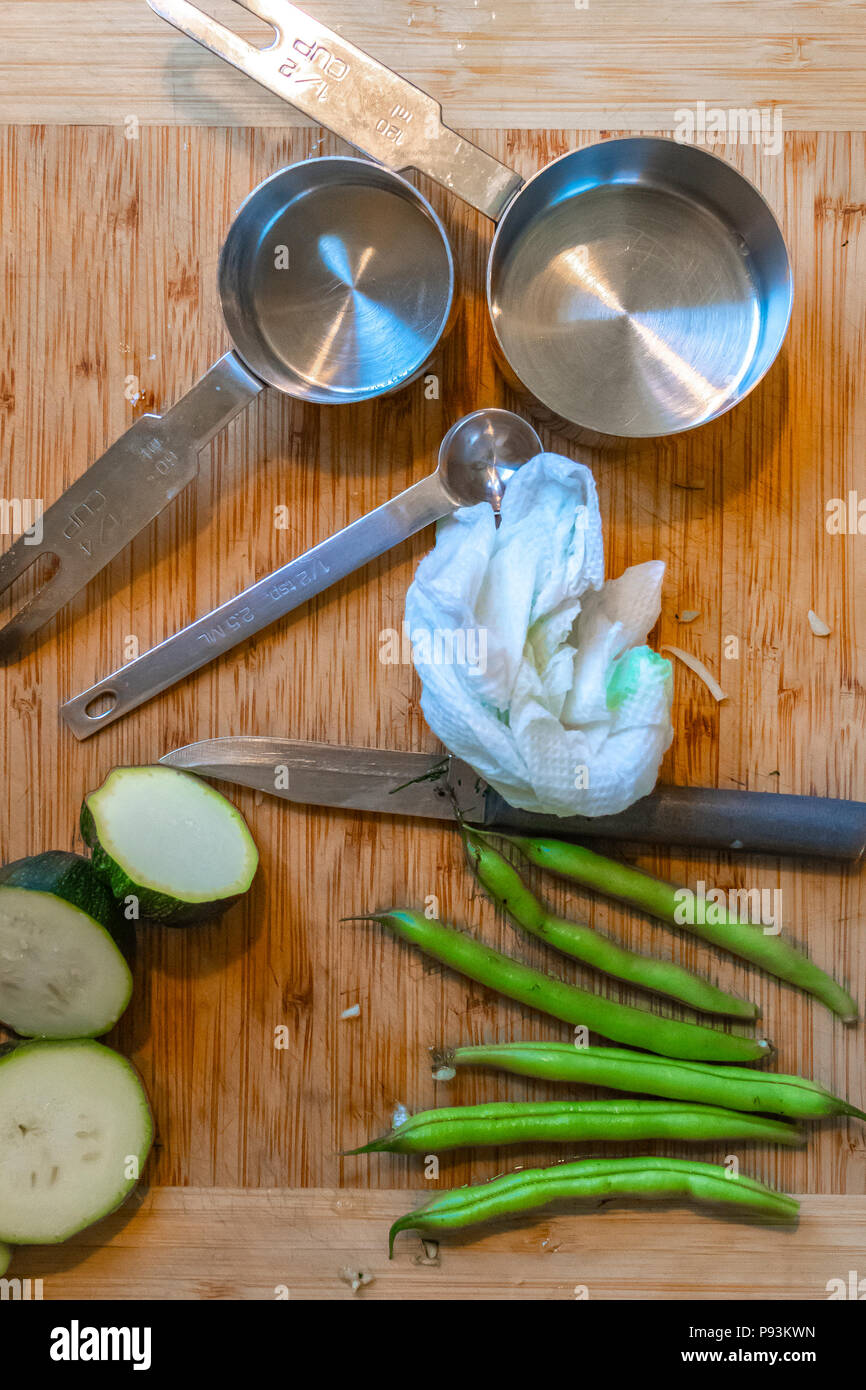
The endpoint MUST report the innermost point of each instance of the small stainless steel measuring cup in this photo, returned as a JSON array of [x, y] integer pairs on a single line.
[[321, 296], [636, 287], [477, 456]]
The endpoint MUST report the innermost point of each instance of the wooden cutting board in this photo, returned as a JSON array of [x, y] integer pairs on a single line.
[[109, 249], [314, 1243]]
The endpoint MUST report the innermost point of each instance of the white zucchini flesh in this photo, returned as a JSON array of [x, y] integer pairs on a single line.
[[75, 1129], [172, 833], [61, 975]]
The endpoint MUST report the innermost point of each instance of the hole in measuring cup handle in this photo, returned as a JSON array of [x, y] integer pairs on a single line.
[[242, 20], [101, 704]]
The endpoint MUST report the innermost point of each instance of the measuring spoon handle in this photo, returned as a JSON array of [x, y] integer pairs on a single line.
[[119, 494], [258, 606], [339, 86]]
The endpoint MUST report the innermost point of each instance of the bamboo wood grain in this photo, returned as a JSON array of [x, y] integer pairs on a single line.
[[109, 252], [185, 1243], [602, 66]]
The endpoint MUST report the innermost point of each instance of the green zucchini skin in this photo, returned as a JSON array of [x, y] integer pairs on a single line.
[[152, 905], [76, 880], [155, 905]]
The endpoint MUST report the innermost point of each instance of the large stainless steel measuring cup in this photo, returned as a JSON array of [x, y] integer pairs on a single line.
[[476, 458], [320, 293], [637, 287]]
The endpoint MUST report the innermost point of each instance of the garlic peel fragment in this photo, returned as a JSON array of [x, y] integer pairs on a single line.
[[700, 670], [818, 626]]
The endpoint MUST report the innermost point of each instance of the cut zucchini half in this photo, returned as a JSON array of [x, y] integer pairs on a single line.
[[75, 1130], [62, 969], [169, 839], [5, 1258]]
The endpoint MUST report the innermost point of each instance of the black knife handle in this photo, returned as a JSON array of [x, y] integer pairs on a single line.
[[705, 817]]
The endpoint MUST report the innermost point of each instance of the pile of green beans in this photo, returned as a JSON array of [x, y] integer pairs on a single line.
[[514, 979], [737, 1088], [502, 881], [701, 1099], [562, 1122], [746, 940], [658, 1179]]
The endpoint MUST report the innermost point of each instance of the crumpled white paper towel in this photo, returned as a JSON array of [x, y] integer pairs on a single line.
[[532, 667]]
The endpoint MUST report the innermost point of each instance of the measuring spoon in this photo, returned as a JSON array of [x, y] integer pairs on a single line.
[[476, 457]]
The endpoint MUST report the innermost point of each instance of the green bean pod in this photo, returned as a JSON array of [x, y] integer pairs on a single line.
[[744, 939], [563, 1122], [502, 881], [651, 1179], [736, 1088], [621, 1022]]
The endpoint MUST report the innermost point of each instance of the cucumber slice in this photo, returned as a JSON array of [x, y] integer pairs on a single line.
[[75, 1130], [62, 971], [5, 1257], [171, 840]]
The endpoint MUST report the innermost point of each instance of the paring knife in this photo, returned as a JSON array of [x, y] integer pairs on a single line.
[[435, 786]]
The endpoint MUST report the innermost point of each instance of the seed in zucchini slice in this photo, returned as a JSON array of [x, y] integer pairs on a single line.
[[62, 944], [75, 1130], [169, 839]]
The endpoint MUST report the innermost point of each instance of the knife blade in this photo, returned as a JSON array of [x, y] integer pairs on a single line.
[[437, 786], [429, 785]]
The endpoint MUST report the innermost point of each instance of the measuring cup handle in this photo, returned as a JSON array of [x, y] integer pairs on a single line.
[[340, 87], [119, 494], [258, 606]]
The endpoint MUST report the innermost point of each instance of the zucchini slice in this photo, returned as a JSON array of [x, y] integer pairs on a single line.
[[169, 839], [75, 1130], [62, 970]]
